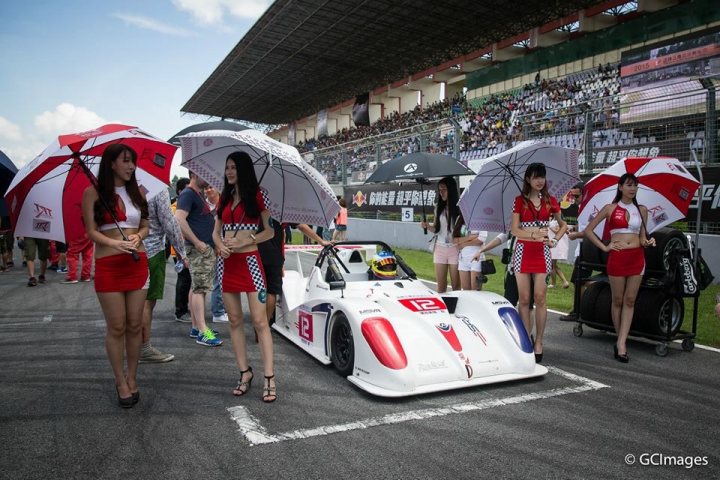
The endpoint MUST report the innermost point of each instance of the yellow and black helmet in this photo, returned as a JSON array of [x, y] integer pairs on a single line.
[[384, 265]]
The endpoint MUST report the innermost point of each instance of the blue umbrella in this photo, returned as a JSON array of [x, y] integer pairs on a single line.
[[7, 173]]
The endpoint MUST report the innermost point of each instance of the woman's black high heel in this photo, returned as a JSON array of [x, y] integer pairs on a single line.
[[269, 393], [126, 402], [624, 358], [238, 391]]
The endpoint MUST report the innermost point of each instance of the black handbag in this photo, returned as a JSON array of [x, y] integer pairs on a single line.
[[487, 267], [506, 256]]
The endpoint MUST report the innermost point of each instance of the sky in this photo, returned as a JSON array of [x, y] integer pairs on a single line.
[[67, 66]]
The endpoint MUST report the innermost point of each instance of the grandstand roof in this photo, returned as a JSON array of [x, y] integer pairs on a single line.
[[305, 55]]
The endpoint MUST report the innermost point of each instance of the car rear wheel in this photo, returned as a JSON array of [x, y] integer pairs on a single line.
[[342, 345]]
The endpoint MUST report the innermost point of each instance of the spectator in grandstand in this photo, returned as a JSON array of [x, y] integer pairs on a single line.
[[340, 234], [236, 235], [468, 243], [625, 222], [445, 253], [120, 279], [532, 212]]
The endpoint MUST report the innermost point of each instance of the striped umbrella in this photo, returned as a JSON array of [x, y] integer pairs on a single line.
[[665, 187], [45, 196]]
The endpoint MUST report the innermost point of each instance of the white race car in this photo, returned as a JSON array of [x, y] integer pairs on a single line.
[[397, 337]]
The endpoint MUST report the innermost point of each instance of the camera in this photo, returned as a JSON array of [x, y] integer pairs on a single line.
[[482, 278]]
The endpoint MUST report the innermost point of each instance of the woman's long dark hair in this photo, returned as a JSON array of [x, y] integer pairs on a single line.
[[623, 178], [535, 170], [451, 204], [247, 185], [106, 183]]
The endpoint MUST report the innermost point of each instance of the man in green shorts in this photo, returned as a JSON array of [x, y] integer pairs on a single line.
[[40, 248], [162, 222]]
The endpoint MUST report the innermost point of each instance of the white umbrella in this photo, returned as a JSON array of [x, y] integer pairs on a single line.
[[486, 204], [296, 191]]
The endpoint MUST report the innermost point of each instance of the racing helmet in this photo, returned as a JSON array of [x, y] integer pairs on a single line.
[[383, 265]]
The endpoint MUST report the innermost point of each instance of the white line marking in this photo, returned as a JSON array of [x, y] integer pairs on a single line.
[[256, 434], [46, 319]]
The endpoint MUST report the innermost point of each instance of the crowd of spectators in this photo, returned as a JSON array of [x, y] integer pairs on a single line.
[[488, 125]]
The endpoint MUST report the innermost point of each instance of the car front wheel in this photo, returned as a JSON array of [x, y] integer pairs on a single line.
[[342, 345]]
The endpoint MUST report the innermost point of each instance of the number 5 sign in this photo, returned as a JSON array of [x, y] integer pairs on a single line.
[[407, 214]]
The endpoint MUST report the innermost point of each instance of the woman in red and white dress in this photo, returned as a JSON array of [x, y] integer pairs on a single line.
[[531, 259], [241, 209], [121, 265], [625, 222]]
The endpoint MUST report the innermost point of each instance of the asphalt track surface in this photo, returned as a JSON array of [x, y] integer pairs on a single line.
[[588, 418]]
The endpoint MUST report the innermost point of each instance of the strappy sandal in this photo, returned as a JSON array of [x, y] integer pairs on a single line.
[[269, 393], [238, 391], [32, 282]]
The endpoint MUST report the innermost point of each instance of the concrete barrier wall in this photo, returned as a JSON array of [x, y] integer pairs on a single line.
[[410, 235]]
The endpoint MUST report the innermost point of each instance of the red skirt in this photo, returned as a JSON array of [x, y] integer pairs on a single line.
[[531, 257], [242, 272], [626, 263], [120, 273]]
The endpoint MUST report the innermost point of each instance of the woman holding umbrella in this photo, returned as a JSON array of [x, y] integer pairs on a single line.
[[241, 209], [531, 257], [115, 213], [625, 222], [445, 253]]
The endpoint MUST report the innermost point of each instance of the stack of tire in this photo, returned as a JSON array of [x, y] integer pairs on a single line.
[[656, 311]]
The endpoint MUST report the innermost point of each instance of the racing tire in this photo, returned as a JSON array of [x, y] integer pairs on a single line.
[[657, 258], [656, 312], [595, 303], [587, 303], [342, 346]]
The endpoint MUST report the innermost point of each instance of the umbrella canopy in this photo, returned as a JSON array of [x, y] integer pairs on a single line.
[[665, 187], [418, 165], [204, 127], [45, 196], [297, 192], [7, 173], [486, 204]]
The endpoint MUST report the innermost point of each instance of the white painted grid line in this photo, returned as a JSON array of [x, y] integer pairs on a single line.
[[256, 434]]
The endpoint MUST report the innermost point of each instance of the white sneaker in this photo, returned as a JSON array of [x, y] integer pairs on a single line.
[[221, 319]]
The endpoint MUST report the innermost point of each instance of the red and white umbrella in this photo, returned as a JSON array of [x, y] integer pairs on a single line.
[[45, 196], [665, 187]]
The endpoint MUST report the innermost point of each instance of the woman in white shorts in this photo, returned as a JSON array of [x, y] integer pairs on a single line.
[[469, 243], [558, 252]]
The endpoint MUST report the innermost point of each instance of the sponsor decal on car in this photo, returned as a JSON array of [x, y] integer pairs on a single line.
[[432, 365], [473, 328], [369, 310], [448, 332]]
